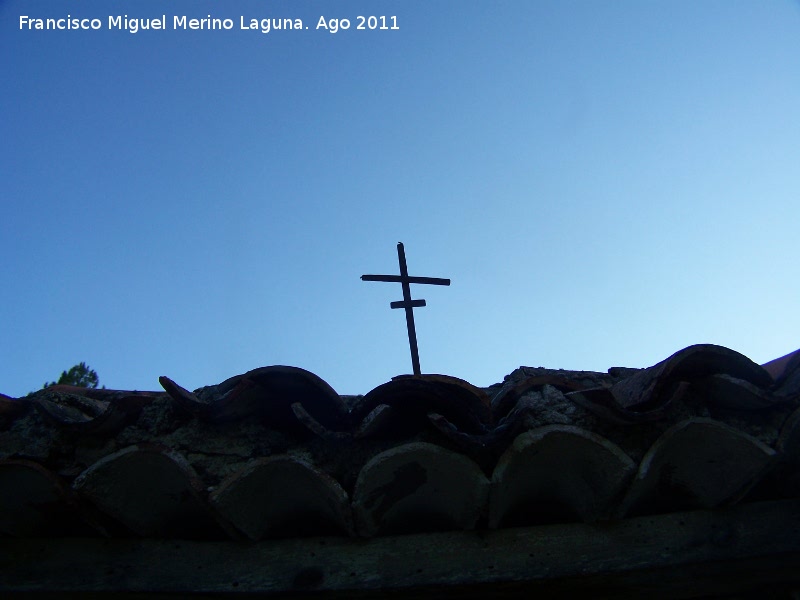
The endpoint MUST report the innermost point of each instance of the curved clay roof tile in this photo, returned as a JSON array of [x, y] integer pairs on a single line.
[[11, 408], [282, 496], [647, 394], [151, 490], [788, 476], [36, 503], [418, 487], [730, 392], [697, 463], [414, 397], [268, 393], [67, 406], [558, 473]]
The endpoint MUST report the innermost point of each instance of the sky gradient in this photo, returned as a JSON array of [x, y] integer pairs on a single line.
[[604, 184]]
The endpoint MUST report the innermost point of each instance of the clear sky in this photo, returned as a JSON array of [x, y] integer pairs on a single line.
[[604, 183]]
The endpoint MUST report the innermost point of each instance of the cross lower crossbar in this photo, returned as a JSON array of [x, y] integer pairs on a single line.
[[403, 304]]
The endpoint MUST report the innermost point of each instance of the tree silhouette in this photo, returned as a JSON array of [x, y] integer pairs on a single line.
[[80, 375]]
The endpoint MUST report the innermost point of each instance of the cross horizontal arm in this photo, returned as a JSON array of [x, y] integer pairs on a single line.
[[400, 279]]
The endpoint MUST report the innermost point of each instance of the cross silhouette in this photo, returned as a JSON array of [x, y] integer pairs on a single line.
[[407, 302]]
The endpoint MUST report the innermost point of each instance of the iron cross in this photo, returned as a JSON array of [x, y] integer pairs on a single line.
[[407, 302]]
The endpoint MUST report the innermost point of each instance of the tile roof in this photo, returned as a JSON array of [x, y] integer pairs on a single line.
[[552, 481], [277, 454]]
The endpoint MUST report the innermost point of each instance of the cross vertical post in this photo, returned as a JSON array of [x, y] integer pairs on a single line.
[[407, 303], [412, 330]]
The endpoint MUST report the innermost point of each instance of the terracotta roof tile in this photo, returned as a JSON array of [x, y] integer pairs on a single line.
[[781, 367], [151, 490], [10, 409], [558, 473], [35, 502], [268, 393], [787, 384], [727, 376], [282, 496], [414, 397], [697, 463], [419, 487], [72, 408]]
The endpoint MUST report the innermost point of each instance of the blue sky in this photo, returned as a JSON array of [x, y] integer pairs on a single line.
[[604, 184]]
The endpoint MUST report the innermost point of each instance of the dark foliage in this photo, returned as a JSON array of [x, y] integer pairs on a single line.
[[80, 375]]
